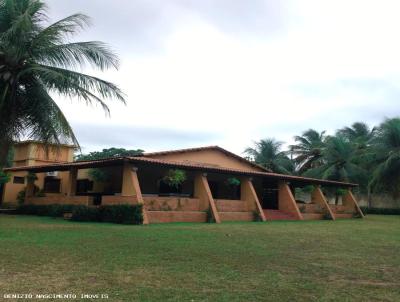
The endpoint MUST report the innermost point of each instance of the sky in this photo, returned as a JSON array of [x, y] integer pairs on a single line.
[[231, 72]]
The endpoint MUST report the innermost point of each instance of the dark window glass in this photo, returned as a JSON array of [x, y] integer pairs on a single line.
[[19, 180], [52, 184], [84, 185]]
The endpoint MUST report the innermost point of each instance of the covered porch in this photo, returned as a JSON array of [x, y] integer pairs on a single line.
[[206, 194]]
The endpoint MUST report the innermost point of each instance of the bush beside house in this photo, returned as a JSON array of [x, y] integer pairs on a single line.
[[121, 214]]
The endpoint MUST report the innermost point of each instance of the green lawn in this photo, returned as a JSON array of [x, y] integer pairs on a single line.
[[345, 260]]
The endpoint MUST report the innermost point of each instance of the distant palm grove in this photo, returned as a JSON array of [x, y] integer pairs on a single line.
[[367, 156]]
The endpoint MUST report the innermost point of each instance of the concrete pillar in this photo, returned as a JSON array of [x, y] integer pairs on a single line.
[[287, 202], [350, 203], [248, 194], [318, 197], [131, 187], [71, 185], [203, 193]]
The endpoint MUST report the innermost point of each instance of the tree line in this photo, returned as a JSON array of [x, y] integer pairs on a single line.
[[358, 153]]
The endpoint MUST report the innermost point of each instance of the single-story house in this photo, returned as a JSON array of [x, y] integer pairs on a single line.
[[215, 183]]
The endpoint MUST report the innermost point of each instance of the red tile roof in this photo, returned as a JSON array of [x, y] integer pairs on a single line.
[[173, 164]]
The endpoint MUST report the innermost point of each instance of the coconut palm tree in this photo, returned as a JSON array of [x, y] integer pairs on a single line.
[[386, 150], [359, 133], [338, 162], [308, 150], [267, 153], [37, 60]]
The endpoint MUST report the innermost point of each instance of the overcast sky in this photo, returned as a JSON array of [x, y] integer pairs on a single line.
[[229, 72]]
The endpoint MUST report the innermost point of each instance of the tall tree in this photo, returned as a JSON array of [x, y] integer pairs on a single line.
[[386, 150], [359, 133], [267, 153], [308, 150], [108, 153], [37, 60], [338, 162]]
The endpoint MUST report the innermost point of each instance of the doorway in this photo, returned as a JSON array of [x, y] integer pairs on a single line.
[[270, 195]]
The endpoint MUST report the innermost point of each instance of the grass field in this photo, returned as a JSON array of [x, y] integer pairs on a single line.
[[345, 260]]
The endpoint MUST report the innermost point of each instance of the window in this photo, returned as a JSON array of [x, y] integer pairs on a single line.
[[52, 184], [19, 180], [84, 185]]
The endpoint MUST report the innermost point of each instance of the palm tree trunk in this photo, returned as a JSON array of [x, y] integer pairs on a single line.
[[369, 197], [5, 146]]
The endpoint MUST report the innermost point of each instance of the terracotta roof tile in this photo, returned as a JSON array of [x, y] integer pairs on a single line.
[[173, 164]]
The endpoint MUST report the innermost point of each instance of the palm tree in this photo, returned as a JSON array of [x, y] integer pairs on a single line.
[[308, 150], [386, 151], [37, 60], [267, 153], [359, 133], [338, 164]]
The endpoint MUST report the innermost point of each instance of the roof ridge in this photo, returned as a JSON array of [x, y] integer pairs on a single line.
[[181, 150]]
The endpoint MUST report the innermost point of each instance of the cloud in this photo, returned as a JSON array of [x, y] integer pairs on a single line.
[[95, 137], [231, 71]]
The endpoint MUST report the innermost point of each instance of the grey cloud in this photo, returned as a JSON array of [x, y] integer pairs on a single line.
[[95, 137], [141, 25]]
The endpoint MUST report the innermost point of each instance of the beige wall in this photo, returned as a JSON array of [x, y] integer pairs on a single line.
[[11, 189], [33, 153], [378, 201]]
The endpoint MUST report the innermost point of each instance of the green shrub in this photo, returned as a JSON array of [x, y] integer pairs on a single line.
[[4, 177], [58, 210], [122, 214], [175, 177], [257, 216], [210, 217], [85, 213], [21, 197], [380, 211], [52, 210], [233, 181]]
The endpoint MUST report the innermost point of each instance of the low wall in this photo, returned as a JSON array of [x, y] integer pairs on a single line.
[[226, 205], [108, 200], [75, 200], [157, 203], [310, 208], [382, 201], [341, 209]]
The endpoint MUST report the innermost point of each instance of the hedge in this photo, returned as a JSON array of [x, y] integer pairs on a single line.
[[122, 214], [380, 211]]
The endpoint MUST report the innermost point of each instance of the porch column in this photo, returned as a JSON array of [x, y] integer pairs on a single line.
[[71, 185], [248, 194], [131, 187], [318, 197], [203, 193], [350, 203], [287, 202]]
